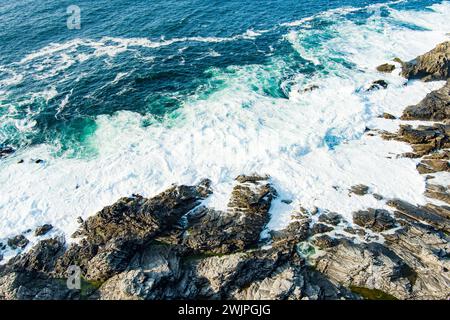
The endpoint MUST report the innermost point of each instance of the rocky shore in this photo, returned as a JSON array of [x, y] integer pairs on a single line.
[[171, 246]]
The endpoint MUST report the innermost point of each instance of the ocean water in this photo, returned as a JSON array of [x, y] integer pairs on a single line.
[[150, 93]]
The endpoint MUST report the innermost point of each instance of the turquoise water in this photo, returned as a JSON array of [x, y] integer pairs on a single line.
[[149, 57]]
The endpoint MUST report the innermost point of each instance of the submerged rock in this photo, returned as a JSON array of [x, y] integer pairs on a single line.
[[6, 151], [378, 84], [18, 241]]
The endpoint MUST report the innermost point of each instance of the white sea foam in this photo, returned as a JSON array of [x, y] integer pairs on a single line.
[[241, 130]]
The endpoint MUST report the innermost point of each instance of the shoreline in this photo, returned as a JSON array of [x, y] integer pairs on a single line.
[[170, 246]]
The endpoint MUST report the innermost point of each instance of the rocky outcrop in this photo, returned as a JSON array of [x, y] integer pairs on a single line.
[[433, 65], [435, 106]]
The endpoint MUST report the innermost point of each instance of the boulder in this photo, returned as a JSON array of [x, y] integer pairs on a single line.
[[386, 67]]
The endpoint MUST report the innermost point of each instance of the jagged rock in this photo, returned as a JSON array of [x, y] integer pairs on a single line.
[[375, 219], [150, 275], [359, 189], [237, 229], [420, 213], [276, 287], [332, 218], [33, 286], [426, 251], [77, 254], [435, 106], [41, 258], [433, 65], [18, 241], [26, 276], [139, 219], [42, 230], [386, 67], [370, 266], [296, 231], [6, 151], [110, 260]]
